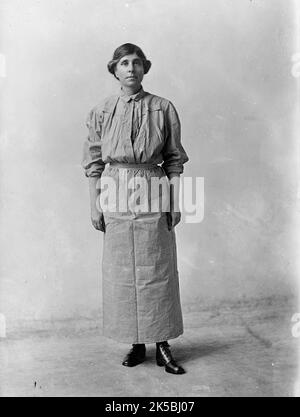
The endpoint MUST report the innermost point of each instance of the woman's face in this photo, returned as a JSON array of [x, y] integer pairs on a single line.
[[130, 71]]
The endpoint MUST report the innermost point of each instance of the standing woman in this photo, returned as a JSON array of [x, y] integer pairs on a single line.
[[134, 138]]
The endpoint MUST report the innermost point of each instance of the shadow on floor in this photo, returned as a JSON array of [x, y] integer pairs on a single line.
[[190, 353]]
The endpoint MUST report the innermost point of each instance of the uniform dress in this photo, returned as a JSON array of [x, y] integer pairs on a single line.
[[131, 138]]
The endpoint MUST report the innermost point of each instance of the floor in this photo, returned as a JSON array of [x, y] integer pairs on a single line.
[[242, 349]]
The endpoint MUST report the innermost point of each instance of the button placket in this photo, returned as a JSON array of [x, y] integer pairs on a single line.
[[129, 127]]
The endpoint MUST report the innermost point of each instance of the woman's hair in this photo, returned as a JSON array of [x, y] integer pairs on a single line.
[[128, 49]]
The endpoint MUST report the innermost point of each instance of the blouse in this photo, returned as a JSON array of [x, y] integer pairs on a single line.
[[140, 128]]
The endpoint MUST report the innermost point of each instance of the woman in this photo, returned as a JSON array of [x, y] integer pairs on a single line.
[[134, 139]]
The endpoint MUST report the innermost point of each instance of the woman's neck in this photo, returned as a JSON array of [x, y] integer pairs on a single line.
[[130, 91]]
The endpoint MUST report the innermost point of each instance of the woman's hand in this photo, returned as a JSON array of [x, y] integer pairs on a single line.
[[173, 218], [174, 215], [96, 213], [98, 220]]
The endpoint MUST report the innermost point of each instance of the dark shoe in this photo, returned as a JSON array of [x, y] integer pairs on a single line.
[[135, 356], [164, 358]]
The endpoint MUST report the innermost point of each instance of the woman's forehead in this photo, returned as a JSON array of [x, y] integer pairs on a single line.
[[130, 57]]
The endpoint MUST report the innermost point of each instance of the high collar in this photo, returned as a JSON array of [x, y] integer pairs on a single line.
[[137, 96]]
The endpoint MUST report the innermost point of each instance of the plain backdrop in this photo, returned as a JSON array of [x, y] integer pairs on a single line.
[[226, 65]]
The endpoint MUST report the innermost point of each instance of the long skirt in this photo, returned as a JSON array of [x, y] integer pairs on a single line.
[[140, 287]]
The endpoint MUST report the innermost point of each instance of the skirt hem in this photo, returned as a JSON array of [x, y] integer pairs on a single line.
[[154, 340]]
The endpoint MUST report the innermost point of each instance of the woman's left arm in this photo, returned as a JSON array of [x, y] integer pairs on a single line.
[[174, 157], [174, 214]]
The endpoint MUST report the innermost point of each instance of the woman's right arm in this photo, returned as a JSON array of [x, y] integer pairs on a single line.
[[94, 166], [96, 213]]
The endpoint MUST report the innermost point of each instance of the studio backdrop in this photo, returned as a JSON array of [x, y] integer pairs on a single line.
[[226, 66]]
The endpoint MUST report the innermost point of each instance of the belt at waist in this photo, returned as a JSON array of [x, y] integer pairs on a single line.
[[133, 165]]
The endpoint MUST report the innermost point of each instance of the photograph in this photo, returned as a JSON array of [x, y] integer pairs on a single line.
[[149, 201]]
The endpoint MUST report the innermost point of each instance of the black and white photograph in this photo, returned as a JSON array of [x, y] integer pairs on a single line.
[[150, 201]]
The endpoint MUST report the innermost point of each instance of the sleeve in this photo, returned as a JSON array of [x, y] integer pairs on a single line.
[[92, 156], [174, 155]]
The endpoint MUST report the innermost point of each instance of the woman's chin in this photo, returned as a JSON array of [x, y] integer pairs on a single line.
[[132, 83]]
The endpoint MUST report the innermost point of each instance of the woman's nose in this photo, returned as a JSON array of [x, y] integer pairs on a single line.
[[130, 66]]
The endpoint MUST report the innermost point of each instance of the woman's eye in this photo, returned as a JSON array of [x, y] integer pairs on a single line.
[[134, 63]]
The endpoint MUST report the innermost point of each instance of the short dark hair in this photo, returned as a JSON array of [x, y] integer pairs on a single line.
[[128, 49]]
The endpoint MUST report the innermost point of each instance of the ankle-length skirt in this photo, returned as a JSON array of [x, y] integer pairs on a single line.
[[140, 283]]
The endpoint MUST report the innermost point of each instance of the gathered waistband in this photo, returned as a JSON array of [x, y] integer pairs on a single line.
[[133, 165]]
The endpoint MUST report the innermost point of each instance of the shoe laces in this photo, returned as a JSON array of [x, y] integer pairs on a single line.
[[165, 352]]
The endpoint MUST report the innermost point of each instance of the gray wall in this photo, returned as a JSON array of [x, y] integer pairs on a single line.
[[226, 65]]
